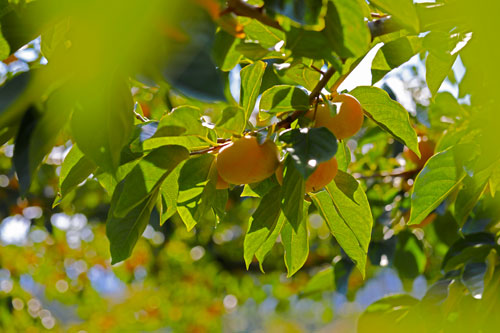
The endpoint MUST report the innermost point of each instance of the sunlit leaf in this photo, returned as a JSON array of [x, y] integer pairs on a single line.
[[251, 79], [402, 10], [262, 223], [123, 232], [74, 170], [346, 28], [266, 35], [394, 54], [388, 114], [284, 98], [196, 192], [433, 184], [147, 176], [346, 210], [292, 194], [225, 54], [295, 240]]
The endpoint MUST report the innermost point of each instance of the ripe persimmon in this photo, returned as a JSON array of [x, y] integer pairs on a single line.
[[346, 122], [322, 176], [245, 161], [426, 148], [221, 183]]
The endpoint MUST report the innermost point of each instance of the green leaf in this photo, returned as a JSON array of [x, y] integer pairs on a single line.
[[54, 37], [4, 48], [109, 180], [388, 311], [346, 28], [437, 69], [343, 156], [346, 210], [267, 36], [470, 194], [7, 133], [409, 259], [471, 248], [142, 132], [394, 54], [219, 203], [268, 244], [21, 159], [322, 281], [295, 241], [192, 71], [303, 75], [147, 176], [190, 142], [259, 189], [182, 120], [443, 51], [251, 79], [445, 104], [307, 13], [106, 107], [169, 191], [255, 51], [261, 224], [181, 127], [311, 44], [124, 232], [284, 98], [473, 278], [292, 193], [10, 93], [38, 134], [388, 114], [309, 147], [494, 180], [196, 192], [433, 184], [403, 11], [233, 121], [47, 129], [75, 169], [225, 54]]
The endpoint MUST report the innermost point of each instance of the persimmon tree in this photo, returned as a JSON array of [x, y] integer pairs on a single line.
[[145, 93]]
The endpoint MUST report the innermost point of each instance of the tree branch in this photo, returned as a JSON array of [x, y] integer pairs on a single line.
[[241, 8]]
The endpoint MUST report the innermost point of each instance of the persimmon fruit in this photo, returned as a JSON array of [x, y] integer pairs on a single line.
[[221, 184], [322, 176], [245, 161], [426, 148], [346, 122]]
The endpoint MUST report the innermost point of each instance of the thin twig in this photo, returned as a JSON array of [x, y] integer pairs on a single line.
[[140, 117], [210, 149], [395, 173], [321, 84], [317, 69]]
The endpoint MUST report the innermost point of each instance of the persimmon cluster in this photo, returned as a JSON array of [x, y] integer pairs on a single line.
[[245, 161]]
